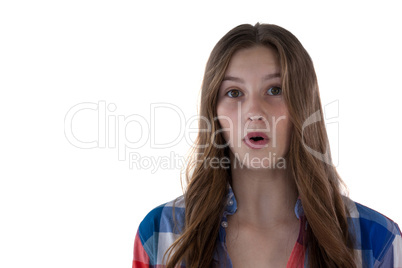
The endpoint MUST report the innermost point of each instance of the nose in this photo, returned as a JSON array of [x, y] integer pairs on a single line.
[[256, 117], [255, 108]]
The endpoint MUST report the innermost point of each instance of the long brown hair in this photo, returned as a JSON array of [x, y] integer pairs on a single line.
[[317, 181]]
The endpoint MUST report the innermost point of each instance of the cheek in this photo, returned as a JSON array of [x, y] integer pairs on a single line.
[[284, 132], [283, 125], [228, 121]]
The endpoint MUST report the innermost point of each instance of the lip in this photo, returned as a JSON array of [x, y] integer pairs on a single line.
[[256, 144]]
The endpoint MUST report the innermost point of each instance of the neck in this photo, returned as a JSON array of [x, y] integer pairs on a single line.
[[265, 197]]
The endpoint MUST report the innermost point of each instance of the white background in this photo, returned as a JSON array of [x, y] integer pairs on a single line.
[[63, 206]]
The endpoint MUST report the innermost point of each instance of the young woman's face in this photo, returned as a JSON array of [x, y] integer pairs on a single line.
[[251, 109]]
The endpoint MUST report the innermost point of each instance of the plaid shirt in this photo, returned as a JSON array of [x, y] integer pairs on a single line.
[[378, 239]]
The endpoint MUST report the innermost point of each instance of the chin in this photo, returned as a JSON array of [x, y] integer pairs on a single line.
[[250, 161]]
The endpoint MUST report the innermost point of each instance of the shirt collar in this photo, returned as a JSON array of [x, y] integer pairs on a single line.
[[231, 204]]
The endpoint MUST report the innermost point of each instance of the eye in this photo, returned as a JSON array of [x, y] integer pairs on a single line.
[[274, 91], [234, 93]]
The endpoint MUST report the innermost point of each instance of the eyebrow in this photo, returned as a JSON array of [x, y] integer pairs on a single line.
[[239, 80]]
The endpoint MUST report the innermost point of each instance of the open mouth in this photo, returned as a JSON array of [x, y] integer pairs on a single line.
[[256, 140]]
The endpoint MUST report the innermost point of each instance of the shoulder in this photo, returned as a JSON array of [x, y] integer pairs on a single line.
[[160, 219], [377, 238], [161, 227]]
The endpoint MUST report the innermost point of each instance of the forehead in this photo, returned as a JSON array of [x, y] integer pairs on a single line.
[[254, 60]]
